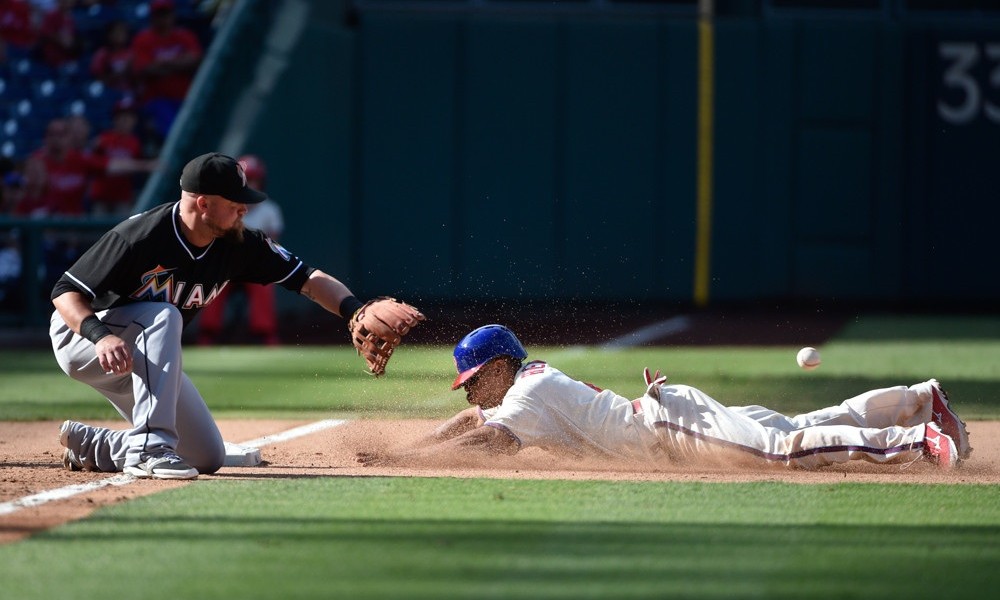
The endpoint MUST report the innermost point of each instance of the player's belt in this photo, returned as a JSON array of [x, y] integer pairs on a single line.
[[637, 406]]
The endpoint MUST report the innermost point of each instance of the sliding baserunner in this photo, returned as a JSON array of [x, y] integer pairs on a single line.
[[518, 404]]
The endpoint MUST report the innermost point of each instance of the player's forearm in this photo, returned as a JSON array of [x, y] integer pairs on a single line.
[[73, 307], [485, 440], [480, 441], [465, 421], [327, 291], [112, 352]]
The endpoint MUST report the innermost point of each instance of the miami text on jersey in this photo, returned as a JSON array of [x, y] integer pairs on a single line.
[[158, 285]]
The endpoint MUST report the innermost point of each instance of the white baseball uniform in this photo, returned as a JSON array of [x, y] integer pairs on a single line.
[[548, 409]]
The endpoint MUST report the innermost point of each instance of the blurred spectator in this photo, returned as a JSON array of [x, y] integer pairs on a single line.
[[112, 62], [78, 127], [17, 28], [263, 321], [10, 270], [12, 190], [56, 175], [115, 194], [58, 42], [165, 57]]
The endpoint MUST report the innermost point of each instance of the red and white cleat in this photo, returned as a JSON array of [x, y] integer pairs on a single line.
[[946, 419], [939, 448]]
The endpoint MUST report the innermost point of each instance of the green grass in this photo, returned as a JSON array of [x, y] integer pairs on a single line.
[[330, 381], [451, 538], [371, 537]]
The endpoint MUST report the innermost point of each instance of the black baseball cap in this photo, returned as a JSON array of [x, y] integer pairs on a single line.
[[216, 174]]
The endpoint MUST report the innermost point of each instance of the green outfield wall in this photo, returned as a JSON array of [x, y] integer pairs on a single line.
[[509, 150], [552, 154]]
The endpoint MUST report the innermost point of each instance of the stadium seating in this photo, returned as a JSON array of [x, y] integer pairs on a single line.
[[32, 92]]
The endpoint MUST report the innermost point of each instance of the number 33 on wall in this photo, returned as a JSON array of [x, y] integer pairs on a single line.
[[965, 106]]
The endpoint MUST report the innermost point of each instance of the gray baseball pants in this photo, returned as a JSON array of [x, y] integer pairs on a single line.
[[165, 411]]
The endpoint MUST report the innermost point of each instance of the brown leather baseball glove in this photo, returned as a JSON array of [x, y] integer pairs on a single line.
[[378, 327]]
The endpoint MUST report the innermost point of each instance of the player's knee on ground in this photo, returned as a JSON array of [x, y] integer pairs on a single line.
[[207, 459], [209, 468], [203, 449]]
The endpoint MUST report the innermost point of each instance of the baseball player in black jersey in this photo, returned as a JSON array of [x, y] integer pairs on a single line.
[[120, 310]]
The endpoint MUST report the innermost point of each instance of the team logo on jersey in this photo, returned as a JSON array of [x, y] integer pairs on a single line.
[[278, 249], [158, 285]]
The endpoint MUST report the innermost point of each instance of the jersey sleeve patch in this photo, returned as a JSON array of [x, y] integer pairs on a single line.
[[279, 249], [535, 367]]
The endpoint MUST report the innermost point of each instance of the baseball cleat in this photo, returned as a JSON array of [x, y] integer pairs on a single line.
[[70, 461], [164, 466], [69, 458], [947, 420], [64, 431], [939, 448]]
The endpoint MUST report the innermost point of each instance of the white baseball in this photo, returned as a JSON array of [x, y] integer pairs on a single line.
[[808, 358]]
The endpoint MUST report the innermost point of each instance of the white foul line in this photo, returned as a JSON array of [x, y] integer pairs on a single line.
[[62, 493], [284, 436], [69, 491]]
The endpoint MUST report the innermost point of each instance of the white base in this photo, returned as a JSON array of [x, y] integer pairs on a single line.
[[241, 456]]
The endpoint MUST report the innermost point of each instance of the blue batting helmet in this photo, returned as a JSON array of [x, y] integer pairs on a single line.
[[483, 345]]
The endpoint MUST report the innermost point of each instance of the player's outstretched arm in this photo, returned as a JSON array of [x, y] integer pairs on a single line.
[[327, 291], [377, 327], [464, 421], [487, 440]]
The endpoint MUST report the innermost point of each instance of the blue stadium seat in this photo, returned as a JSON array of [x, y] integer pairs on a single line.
[[27, 70], [43, 90], [92, 22], [10, 128], [76, 106], [74, 71], [97, 102], [94, 89], [23, 108], [137, 14], [9, 149]]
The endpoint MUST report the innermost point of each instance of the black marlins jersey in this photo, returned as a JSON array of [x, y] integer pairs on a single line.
[[147, 259]]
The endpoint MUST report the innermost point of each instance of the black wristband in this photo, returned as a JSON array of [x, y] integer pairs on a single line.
[[348, 306], [94, 329]]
